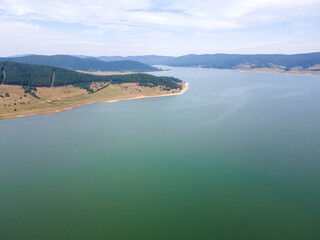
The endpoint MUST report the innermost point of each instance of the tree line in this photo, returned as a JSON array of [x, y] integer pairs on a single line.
[[41, 76]]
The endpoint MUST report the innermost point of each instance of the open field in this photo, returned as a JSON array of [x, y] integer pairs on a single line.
[[106, 73], [14, 102]]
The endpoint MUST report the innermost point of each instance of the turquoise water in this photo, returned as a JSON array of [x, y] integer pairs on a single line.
[[236, 157]]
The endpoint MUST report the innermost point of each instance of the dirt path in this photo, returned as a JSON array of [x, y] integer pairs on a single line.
[[52, 79], [3, 74], [3, 77]]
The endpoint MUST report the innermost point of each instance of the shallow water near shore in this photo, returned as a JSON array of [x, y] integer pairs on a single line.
[[235, 157]]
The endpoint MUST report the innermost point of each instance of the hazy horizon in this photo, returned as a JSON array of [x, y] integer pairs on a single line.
[[152, 27], [75, 55]]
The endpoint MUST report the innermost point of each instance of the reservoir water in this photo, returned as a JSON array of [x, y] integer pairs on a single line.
[[236, 157]]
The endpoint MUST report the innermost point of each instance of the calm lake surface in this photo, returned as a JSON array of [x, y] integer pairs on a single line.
[[236, 157]]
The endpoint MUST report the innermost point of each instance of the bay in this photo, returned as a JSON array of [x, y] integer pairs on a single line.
[[235, 157]]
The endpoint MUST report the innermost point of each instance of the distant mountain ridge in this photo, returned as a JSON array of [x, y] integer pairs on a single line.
[[82, 63], [304, 61], [297, 62], [147, 59]]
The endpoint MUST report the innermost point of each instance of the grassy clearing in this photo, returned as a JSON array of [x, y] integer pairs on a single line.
[[14, 102]]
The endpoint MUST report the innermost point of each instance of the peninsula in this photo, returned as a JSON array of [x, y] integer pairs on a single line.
[[27, 89]]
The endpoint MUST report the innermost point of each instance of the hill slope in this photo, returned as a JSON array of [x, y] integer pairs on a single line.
[[147, 59], [234, 61], [84, 64], [307, 61], [14, 73]]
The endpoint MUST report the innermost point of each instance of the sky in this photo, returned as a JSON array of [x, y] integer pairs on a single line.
[[168, 27]]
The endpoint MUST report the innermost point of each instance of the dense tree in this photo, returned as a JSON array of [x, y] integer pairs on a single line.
[[84, 64], [30, 75], [230, 61]]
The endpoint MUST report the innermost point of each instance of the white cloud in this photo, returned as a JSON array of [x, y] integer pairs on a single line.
[[206, 15], [172, 24]]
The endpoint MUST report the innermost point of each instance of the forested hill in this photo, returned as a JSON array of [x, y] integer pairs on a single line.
[[306, 61], [147, 59], [14, 73], [84, 64]]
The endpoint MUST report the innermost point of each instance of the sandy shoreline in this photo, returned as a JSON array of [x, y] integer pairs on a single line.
[[263, 70], [184, 89]]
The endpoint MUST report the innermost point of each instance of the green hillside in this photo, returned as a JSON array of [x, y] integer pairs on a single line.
[[234, 61], [305, 61], [84, 64], [13, 73]]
